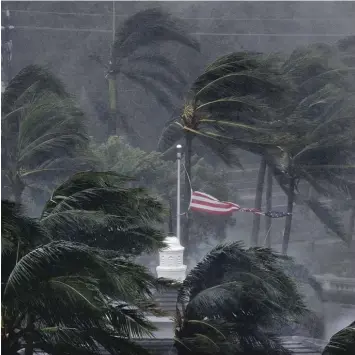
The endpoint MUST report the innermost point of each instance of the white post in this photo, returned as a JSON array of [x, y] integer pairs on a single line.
[[171, 259], [178, 147]]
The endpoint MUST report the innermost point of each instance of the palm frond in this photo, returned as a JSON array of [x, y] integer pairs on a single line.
[[226, 152], [160, 95], [233, 298], [238, 103], [84, 275], [146, 27], [86, 180], [171, 134], [233, 84], [17, 227], [325, 214], [44, 79], [162, 63], [96, 208], [328, 217], [342, 343], [92, 341], [50, 127], [160, 78]]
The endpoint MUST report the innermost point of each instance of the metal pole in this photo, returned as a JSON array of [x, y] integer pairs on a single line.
[[113, 21], [6, 50], [178, 147]]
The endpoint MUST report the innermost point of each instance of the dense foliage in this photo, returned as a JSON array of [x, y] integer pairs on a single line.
[[64, 289], [154, 72], [43, 133], [342, 342], [230, 302]]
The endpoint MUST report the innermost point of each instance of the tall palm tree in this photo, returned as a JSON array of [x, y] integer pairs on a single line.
[[319, 151], [258, 202], [268, 198], [223, 106], [229, 303], [346, 47], [43, 131], [157, 73]]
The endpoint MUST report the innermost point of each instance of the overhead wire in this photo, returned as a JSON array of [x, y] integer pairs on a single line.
[[191, 18], [192, 33]]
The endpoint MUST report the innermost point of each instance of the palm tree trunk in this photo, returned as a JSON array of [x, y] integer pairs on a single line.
[[288, 222], [351, 225], [112, 120], [17, 190], [268, 221], [188, 155], [257, 203]]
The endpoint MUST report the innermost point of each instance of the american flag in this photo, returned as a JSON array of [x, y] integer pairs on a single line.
[[202, 202]]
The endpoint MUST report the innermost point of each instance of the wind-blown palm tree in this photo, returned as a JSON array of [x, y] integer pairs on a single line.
[[43, 131], [224, 107], [156, 73], [68, 297], [229, 303], [342, 342], [346, 47], [100, 210], [64, 296], [313, 146]]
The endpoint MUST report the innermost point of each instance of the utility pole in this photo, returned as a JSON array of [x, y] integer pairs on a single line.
[[111, 77], [6, 46]]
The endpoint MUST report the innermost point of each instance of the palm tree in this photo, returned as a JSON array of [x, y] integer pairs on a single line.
[[342, 342], [319, 150], [268, 198], [258, 202], [101, 210], [43, 131], [223, 107], [346, 47], [64, 296], [157, 73], [316, 155], [229, 303], [68, 297]]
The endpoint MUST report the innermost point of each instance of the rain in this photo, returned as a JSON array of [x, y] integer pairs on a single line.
[[178, 177]]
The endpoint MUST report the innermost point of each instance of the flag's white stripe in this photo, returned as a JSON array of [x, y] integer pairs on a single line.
[[217, 209], [202, 194], [210, 199], [202, 199]]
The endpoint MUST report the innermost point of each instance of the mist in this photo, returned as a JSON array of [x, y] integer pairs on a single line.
[[66, 36]]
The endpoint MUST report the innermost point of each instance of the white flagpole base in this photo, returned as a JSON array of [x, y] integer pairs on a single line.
[[171, 260]]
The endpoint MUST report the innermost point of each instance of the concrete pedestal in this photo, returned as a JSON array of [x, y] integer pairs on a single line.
[[171, 260]]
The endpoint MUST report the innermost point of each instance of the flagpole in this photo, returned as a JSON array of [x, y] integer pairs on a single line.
[[178, 155]]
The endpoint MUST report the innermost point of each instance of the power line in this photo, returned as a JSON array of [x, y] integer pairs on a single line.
[[195, 33], [109, 13]]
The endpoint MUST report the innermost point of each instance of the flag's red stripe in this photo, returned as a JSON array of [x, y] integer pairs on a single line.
[[201, 194], [213, 204], [212, 212]]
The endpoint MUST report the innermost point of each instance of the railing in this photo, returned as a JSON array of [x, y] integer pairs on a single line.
[[338, 289]]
